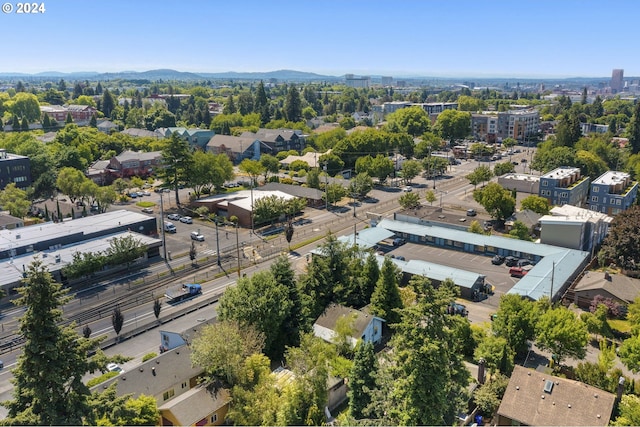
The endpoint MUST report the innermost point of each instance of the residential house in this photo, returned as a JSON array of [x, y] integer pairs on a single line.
[[311, 158], [98, 172], [197, 138], [528, 217], [106, 126], [134, 163], [540, 399], [139, 133], [564, 186], [365, 327], [620, 288], [613, 192], [14, 169], [8, 222], [237, 148], [173, 381], [279, 139]]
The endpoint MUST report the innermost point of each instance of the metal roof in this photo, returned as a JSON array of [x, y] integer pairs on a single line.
[[462, 278]]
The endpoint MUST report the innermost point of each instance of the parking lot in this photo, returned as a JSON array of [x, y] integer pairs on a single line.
[[496, 275]]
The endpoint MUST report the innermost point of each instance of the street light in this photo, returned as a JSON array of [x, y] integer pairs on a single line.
[[215, 221], [164, 241]]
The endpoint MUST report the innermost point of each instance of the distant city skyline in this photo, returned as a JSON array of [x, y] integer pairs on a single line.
[[411, 38]]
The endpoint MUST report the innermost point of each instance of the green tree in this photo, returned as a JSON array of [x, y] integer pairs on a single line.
[[270, 164], [208, 170], [622, 244], [515, 321], [25, 105], [313, 178], [292, 323], [117, 320], [261, 302], [177, 159], [15, 200], [494, 349], [369, 278], [108, 103], [537, 204], [70, 182], [430, 196], [411, 169], [413, 388], [633, 130], [360, 185], [629, 410], [479, 175], [503, 168], [157, 306], [261, 99], [124, 250], [520, 231], [560, 331], [222, 348], [489, 395], [476, 228], [453, 124], [335, 192], [412, 120], [497, 201], [48, 379], [251, 168], [409, 200], [362, 379], [386, 295], [293, 105]]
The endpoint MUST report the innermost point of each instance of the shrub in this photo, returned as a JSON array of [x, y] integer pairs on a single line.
[[102, 378], [148, 356]]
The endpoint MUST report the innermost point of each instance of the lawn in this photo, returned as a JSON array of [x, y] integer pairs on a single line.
[[145, 204]]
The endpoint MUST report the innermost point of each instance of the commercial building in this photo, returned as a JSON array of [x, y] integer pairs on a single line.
[[521, 182], [14, 168], [617, 80], [573, 227], [564, 186], [613, 192], [357, 82]]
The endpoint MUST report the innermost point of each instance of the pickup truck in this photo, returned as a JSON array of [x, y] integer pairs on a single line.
[[183, 292]]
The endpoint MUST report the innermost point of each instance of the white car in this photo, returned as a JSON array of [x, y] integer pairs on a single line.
[[114, 367], [197, 236], [407, 189], [186, 220], [174, 217]]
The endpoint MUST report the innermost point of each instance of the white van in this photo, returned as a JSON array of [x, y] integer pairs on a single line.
[[169, 227]]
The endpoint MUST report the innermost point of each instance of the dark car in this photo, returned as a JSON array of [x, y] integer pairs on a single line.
[[471, 212], [511, 261], [523, 262], [497, 260], [455, 308], [399, 241]]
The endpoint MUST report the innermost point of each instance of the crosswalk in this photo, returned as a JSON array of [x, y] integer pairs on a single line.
[[208, 252]]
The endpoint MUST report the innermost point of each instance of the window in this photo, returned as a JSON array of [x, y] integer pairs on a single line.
[[545, 183], [618, 202], [596, 189], [184, 384], [594, 199], [168, 394], [214, 418]]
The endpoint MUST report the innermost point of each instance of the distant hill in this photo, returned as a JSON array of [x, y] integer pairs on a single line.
[[168, 74]]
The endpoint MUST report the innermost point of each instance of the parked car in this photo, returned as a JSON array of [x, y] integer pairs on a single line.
[[133, 195], [471, 212], [455, 308], [174, 217], [147, 210], [146, 193], [398, 241], [400, 257], [197, 236], [497, 260], [114, 367], [511, 261], [186, 220], [517, 272], [523, 262], [169, 227], [407, 189]]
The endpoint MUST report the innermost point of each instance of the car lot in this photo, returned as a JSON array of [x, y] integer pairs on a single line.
[[496, 275]]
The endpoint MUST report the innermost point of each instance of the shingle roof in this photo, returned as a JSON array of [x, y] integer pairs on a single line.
[[569, 403], [237, 144], [334, 312], [623, 287], [196, 404]]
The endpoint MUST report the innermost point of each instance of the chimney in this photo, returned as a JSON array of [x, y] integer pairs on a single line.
[[607, 277], [481, 363], [620, 388]]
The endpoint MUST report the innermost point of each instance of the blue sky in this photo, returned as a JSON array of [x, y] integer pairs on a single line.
[[457, 38]]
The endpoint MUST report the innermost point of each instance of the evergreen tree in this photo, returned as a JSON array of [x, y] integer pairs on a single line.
[[423, 380], [634, 130], [293, 105], [77, 90], [362, 379], [48, 385], [93, 122], [265, 115], [69, 119], [99, 89], [260, 98], [25, 124], [386, 295], [117, 320], [177, 158], [62, 85], [108, 103], [369, 278], [292, 323], [46, 122], [229, 107]]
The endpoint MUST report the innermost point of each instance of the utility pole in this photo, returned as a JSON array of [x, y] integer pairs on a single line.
[[164, 241], [326, 186], [237, 249], [553, 268], [215, 221]]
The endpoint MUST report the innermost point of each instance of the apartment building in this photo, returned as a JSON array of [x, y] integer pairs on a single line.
[[612, 192], [518, 124], [14, 168], [563, 186]]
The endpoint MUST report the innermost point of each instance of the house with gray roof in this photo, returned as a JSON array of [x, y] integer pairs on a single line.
[[139, 133], [135, 163], [237, 148], [194, 136], [538, 399], [365, 326], [620, 288], [279, 139]]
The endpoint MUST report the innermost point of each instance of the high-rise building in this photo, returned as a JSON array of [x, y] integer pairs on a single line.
[[617, 80]]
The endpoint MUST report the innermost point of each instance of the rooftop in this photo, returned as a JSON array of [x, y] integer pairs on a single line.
[[561, 173]]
